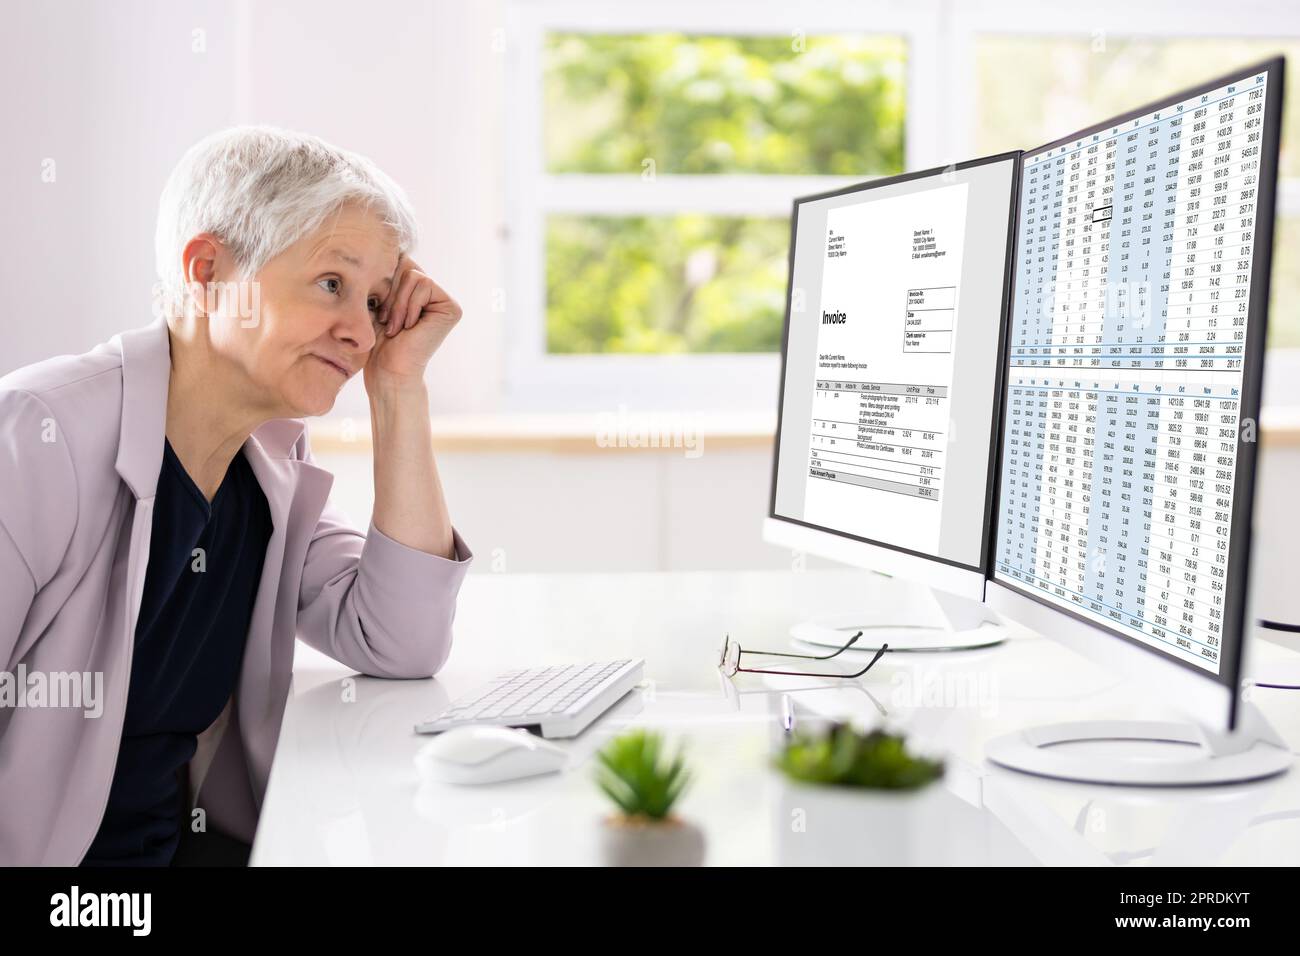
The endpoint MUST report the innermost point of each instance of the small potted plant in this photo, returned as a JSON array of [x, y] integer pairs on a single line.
[[644, 782], [857, 798]]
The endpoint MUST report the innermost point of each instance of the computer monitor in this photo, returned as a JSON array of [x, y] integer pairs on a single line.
[[889, 388], [1131, 400]]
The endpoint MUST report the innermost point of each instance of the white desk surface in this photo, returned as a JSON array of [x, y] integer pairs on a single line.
[[344, 788]]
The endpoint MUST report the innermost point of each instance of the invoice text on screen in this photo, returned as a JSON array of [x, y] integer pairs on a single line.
[[888, 322]]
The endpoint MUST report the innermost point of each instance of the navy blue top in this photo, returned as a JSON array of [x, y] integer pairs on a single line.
[[189, 643]]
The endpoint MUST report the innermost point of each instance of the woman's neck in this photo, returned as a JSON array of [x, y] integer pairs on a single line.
[[208, 415]]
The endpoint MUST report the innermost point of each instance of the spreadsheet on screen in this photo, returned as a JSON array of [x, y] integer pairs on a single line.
[[1129, 316]]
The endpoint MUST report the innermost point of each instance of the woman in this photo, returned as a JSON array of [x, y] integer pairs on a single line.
[[164, 532]]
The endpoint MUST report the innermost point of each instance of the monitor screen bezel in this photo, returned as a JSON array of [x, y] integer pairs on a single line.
[[1013, 158], [1233, 633]]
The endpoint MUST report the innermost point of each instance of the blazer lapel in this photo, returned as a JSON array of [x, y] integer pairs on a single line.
[[146, 374], [146, 371]]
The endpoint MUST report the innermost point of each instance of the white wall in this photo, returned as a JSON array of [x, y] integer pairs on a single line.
[[626, 510], [606, 510]]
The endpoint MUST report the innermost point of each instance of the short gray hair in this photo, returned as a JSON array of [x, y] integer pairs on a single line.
[[260, 189]]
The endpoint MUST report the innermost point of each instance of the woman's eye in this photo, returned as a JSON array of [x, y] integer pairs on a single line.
[[332, 289], [374, 303]]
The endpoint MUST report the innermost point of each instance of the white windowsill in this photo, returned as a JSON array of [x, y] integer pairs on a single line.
[[567, 432], [577, 432]]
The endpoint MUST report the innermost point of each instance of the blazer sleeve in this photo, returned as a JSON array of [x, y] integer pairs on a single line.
[[375, 604]]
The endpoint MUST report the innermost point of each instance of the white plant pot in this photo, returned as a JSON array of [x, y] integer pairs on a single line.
[[674, 842], [822, 825]]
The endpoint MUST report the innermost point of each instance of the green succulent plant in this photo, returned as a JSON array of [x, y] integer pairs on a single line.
[[844, 756], [639, 776]]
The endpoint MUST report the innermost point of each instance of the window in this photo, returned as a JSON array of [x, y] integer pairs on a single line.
[[654, 151], [654, 155]]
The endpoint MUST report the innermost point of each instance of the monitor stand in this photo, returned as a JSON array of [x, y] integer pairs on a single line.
[[1146, 753], [968, 625]]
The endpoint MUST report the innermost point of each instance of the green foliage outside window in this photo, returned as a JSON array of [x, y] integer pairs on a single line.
[[665, 284]]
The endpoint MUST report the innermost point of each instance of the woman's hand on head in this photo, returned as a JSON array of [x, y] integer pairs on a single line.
[[410, 326]]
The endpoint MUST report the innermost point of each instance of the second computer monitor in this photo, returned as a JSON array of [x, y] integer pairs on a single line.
[[890, 374], [1133, 384]]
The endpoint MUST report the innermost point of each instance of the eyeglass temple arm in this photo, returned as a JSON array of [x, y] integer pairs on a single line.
[[759, 670], [808, 657], [879, 654]]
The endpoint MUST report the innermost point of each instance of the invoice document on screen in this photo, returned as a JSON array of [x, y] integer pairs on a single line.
[[881, 412]]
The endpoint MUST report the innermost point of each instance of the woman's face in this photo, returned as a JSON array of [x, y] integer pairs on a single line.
[[306, 323]]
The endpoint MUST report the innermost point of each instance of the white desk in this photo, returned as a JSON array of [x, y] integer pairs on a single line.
[[344, 788]]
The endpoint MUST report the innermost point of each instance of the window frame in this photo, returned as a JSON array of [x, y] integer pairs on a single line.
[[713, 381]]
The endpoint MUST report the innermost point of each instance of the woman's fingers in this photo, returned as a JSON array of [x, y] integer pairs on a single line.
[[440, 301], [415, 294], [419, 299], [386, 307], [399, 302]]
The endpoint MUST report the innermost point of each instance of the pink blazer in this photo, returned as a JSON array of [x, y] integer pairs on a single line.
[[81, 441]]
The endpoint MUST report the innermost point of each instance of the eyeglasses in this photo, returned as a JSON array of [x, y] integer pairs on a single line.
[[729, 660]]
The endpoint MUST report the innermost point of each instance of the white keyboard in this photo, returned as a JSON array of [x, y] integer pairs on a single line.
[[559, 701]]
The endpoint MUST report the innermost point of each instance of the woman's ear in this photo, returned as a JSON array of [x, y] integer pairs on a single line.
[[199, 260]]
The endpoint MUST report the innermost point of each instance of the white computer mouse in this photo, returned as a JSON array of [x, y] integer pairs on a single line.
[[476, 755]]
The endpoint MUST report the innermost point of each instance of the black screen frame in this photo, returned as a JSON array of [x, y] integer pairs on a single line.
[[1234, 617], [1012, 156]]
